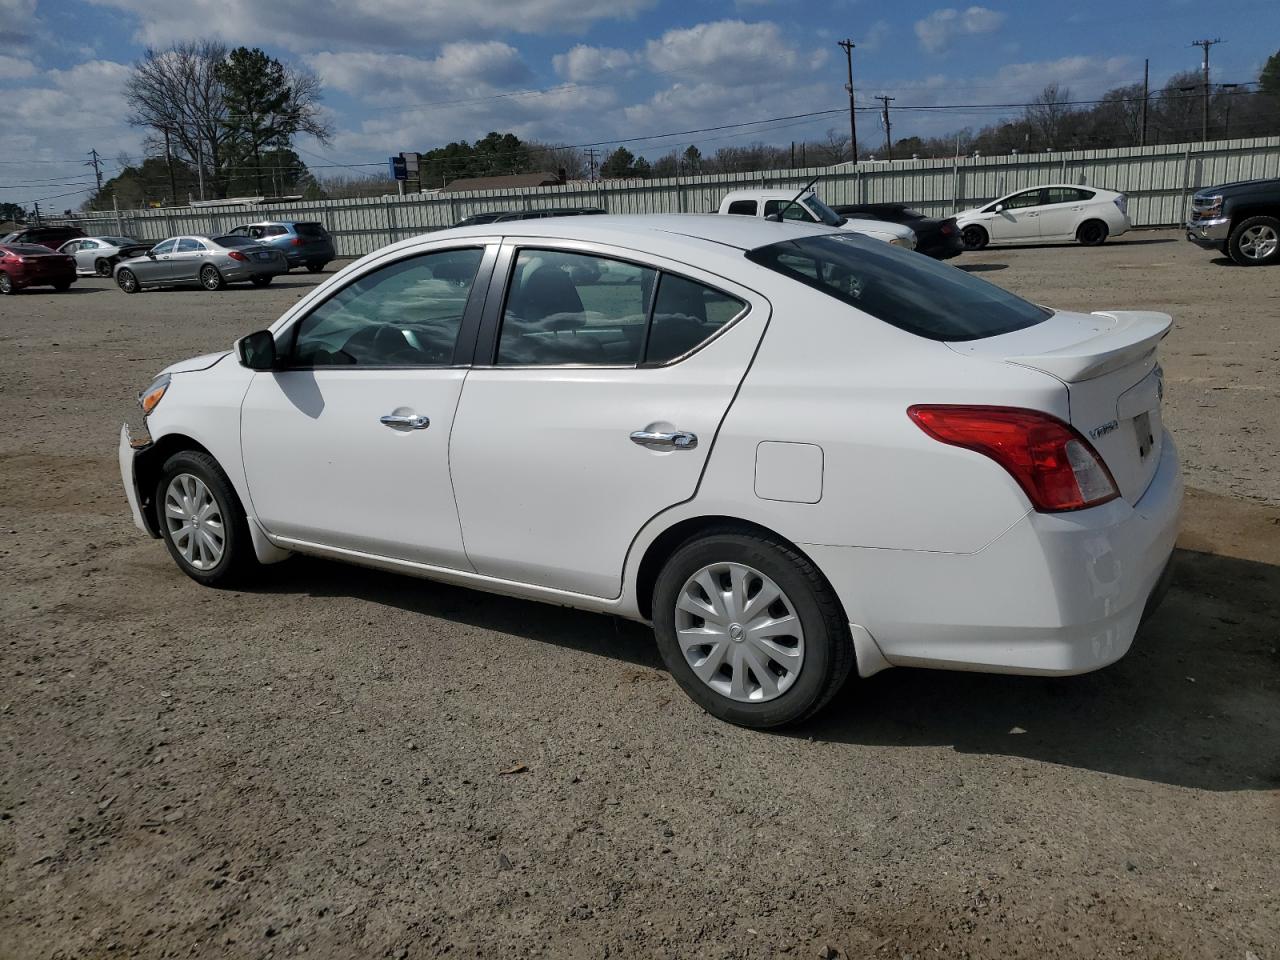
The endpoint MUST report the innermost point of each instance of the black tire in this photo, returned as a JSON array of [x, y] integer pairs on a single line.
[[62, 286], [975, 237], [102, 267], [7, 286], [1092, 233], [1244, 248], [238, 559], [314, 267], [828, 648], [260, 281], [210, 278], [127, 281]]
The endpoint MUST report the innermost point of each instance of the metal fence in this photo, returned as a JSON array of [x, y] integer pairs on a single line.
[[1158, 180]]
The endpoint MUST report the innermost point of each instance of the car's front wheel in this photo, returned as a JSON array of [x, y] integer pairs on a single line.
[[1255, 242], [210, 278], [750, 629], [127, 281], [201, 520], [974, 237]]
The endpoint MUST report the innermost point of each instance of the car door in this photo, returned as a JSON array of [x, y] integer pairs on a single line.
[[187, 259], [1020, 217], [605, 381], [86, 253], [158, 265], [1061, 212], [346, 444]]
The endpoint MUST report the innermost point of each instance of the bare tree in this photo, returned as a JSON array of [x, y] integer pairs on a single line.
[[552, 158], [834, 149], [1047, 114]]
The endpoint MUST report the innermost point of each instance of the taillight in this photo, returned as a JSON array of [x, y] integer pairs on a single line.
[[236, 255], [296, 241], [1122, 203], [1057, 468], [948, 229]]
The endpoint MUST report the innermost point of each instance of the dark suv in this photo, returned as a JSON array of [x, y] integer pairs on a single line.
[[51, 237], [1240, 219], [302, 243]]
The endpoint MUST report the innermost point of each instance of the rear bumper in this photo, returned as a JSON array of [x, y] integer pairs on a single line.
[[1055, 594], [297, 256], [254, 268], [1210, 234]]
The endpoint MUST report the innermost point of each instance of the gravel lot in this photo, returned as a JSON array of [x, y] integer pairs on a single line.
[[353, 764]]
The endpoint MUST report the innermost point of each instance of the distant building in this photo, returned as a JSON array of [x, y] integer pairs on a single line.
[[510, 182]]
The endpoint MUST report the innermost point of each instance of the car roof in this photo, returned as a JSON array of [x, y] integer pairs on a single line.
[[742, 233], [769, 192], [1050, 186]]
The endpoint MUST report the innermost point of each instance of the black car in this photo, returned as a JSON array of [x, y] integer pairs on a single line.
[[1240, 219], [51, 237], [502, 216], [939, 239]]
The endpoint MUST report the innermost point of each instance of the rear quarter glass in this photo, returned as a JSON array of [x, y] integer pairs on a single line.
[[315, 230]]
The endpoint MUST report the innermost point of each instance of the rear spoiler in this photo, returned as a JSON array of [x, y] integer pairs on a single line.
[[1134, 334]]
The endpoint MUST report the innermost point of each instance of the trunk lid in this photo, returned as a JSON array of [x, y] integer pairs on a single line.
[[1107, 360]]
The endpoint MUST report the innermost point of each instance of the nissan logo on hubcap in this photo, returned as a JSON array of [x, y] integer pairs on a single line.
[[735, 631]]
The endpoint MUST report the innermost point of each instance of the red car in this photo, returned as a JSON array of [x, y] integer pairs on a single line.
[[27, 265]]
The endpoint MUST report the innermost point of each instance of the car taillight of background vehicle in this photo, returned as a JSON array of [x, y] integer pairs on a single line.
[[1122, 203], [236, 255], [1056, 467], [296, 241]]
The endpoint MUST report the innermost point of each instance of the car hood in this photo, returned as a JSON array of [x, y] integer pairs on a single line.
[[878, 228], [1241, 187], [203, 362]]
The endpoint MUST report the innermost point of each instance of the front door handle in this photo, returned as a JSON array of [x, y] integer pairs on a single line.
[[412, 422], [678, 439]]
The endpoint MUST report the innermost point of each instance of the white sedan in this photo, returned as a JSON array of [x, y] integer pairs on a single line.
[[795, 451], [1060, 211]]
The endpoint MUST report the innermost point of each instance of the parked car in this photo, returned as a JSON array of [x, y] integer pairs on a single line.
[[303, 244], [51, 237], [936, 237], [99, 255], [503, 216], [793, 449], [1241, 220], [212, 262], [31, 265], [808, 208], [1059, 211]]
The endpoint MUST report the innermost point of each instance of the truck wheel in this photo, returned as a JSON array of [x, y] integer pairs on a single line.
[[1255, 242]]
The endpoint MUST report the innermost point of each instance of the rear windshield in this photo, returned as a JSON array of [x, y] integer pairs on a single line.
[[907, 290], [235, 242], [29, 249], [311, 230]]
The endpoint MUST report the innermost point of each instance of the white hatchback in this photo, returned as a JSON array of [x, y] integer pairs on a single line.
[[793, 450], [1057, 212]]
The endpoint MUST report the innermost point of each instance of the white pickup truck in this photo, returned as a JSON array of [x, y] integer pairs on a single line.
[[808, 208]]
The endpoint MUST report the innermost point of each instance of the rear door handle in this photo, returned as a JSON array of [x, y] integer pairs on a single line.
[[412, 422], [677, 440]]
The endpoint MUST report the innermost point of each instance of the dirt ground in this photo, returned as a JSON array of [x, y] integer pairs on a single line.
[[345, 763]]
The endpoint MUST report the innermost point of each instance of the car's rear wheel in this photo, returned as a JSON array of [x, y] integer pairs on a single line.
[[7, 286], [210, 278], [1092, 233], [750, 629], [260, 281], [314, 267], [1255, 242], [127, 281], [62, 286], [202, 521], [974, 237], [102, 267]]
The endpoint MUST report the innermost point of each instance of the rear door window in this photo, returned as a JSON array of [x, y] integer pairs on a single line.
[[188, 245], [913, 293], [686, 314]]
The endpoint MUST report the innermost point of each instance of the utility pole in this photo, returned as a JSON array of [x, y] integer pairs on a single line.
[[1204, 123], [888, 138], [848, 46], [94, 162], [37, 212], [200, 164], [591, 159], [168, 159], [1146, 98]]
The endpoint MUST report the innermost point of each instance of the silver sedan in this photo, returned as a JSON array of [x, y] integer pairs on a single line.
[[99, 255], [212, 262]]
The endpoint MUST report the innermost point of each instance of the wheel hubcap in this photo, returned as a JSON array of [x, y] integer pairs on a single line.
[[739, 632], [194, 521], [210, 279], [1260, 242]]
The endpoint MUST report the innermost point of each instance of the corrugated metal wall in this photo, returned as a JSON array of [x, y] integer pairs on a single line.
[[1159, 181]]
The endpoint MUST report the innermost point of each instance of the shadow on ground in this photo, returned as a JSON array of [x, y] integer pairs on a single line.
[[1196, 703]]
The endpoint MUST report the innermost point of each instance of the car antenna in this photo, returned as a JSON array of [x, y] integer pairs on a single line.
[[794, 201]]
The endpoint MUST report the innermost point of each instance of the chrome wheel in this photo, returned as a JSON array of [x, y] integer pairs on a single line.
[[211, 278], [739, 633], [194, 521], [1260, 242], [126, 281]]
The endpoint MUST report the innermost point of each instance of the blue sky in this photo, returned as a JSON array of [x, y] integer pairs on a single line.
[[412, 74]]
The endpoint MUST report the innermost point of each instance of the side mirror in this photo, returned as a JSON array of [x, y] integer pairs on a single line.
[[151, 254], [999, 208], [258, 350]]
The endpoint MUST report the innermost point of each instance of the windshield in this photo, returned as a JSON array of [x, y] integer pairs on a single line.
[[824, 213], [235, 242], [907, 290], [117, 241]]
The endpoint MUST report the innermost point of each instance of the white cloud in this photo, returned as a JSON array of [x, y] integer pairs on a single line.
[[395, 24], [461, 68], [15, 68], [937, 31], [727, 52], [584, 64]]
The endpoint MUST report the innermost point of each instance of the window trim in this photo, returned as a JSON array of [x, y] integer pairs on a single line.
[[286, 337], [486, 354]]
